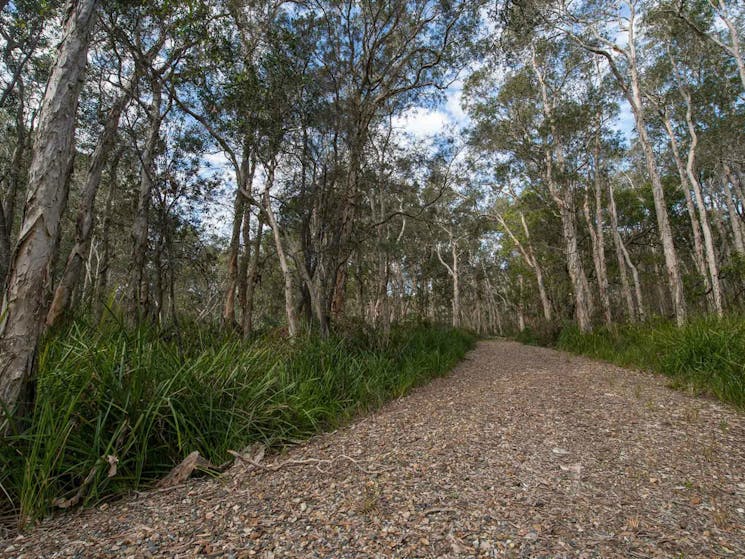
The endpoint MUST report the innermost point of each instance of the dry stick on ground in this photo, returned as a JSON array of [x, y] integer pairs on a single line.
[[316, 461]]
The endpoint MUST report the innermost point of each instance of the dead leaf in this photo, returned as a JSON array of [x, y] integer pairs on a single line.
[[455, 544]]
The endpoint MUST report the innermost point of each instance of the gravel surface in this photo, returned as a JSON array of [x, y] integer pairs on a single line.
[[520, 452]]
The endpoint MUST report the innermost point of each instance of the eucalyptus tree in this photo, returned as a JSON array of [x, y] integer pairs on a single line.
[[377, 56], [26, 29], [612, 31], [536, 119], [24, 302], [115, 84]]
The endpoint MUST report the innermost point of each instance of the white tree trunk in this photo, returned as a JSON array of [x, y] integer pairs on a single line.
[[663, 221], [520, 305], [598, 248], [453, 272], [698, 245], [252, 275], [456, 286], [711, 257], [293, 327], [577, 275], [735, 221]]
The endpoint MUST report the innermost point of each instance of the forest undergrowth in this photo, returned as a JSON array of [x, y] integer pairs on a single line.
[[116, 408]]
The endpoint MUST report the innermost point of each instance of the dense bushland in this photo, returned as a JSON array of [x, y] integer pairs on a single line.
[[706, 355], [146, 398]]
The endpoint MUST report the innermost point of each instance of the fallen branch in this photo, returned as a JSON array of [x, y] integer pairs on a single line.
[[436, 510], [304, 462], [183, 471]]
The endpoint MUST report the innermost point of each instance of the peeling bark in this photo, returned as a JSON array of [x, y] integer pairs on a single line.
[[24, 304]]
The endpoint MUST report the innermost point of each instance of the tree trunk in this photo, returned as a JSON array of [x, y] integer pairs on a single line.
[[84, 223], [24, 304], [4, 248], [711, 257], [672, 266], [241, 216], [698, 246], [597, 236], [600, 265], [456, 286], [633, 94], [735, 221], [598, 261], [293, 328], [576, 270], [252, 276], [140, 226], [520, 309], [102, 278], [8, 205], [243, 265], [158, 287], [453, 272], [381, 310], [620, 256], [228, 313], [542, 293]]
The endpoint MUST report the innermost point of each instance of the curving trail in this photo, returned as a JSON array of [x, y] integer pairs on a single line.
[[520, 452]]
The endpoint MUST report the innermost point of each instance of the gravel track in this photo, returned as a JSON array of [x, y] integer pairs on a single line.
[[519, 452]]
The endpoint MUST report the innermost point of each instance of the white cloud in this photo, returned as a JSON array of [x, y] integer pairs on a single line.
[[453, 106], [421, 122], [424, 123], [624, 121]]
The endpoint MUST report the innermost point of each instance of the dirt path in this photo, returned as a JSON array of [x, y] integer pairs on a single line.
[[520, 452]]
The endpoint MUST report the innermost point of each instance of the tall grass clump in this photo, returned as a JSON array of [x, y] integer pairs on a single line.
[[117, 408], [706, 355]]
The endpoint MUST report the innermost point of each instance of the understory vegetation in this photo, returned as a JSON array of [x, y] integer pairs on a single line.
[[117, 408], [707, 355]]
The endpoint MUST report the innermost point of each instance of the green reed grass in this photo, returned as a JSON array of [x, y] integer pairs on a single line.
[[706, 355], [148, 398]]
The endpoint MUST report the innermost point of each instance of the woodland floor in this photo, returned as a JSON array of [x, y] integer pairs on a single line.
[[519, 452]]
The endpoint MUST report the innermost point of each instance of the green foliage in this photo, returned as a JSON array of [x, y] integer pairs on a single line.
[[706, 355], [148, 399]]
